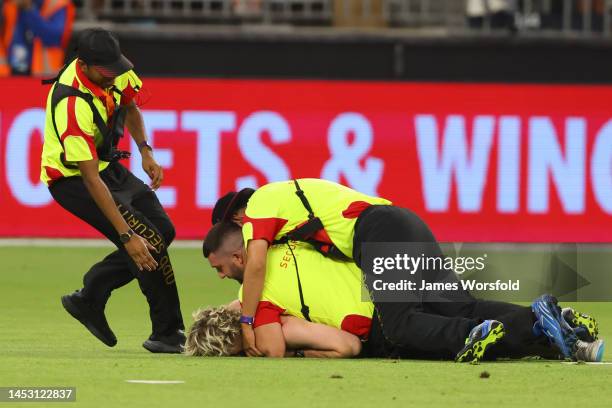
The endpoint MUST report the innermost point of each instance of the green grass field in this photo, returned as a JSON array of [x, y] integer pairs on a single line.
[[41, 345]]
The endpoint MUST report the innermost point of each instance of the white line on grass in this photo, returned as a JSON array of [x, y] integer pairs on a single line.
[[155, 381]]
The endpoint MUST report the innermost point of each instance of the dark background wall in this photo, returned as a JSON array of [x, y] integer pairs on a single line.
[[497, 59]]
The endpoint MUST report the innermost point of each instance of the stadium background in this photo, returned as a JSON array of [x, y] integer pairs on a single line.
[[494, 127], [491, 135]]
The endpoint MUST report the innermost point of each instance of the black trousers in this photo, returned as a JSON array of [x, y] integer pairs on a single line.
[[144, 214], [434, 329]]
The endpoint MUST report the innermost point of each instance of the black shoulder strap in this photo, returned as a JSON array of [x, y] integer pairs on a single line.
[[303, 232], [116, 90], [311, 226], [302, 196], [305, 309]]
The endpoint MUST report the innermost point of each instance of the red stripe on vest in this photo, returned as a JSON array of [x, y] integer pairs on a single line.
[[265, 228], [53, 174], [355, 209], [73, 129]]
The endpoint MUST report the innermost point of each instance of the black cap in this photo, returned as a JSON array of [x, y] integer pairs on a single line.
[[227, 205], [99, 48]]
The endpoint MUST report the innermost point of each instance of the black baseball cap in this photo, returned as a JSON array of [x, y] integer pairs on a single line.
[[99, 48], [227, 205]]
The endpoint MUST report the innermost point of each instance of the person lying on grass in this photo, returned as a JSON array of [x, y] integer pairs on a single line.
[[330, 293], [216, 332]]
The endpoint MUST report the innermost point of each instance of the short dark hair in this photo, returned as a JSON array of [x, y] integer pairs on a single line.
[[216, 236]]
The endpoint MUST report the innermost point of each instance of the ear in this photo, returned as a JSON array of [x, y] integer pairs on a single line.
[[238, 257]]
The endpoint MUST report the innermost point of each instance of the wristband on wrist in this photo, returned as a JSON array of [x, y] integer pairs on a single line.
[[247, 320], [143, 145]]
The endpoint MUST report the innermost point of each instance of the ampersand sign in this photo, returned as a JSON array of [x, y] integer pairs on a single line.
[[346, 157]]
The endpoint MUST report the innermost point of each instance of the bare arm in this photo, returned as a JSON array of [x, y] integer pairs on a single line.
[[269, 337], [319, 340], [135, 125], [270, 340], [137, 246], [252, 287]]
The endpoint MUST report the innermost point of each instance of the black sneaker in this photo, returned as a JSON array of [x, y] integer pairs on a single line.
[[92, 318], [585, 326], [479, 340], [172, 344]]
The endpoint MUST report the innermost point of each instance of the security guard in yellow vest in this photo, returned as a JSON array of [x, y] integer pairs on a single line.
[[90, 102]]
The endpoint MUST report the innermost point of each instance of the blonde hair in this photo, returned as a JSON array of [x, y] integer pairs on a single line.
[[214, 332]]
